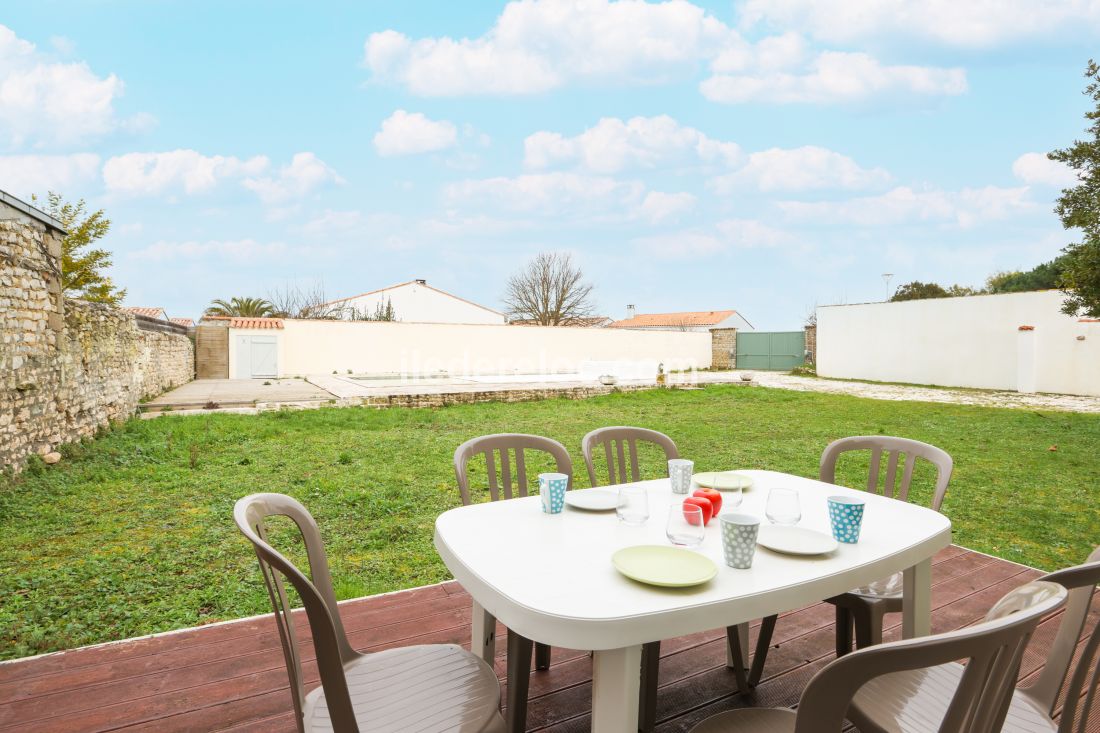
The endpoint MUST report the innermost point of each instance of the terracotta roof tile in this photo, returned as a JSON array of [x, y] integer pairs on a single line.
[[148, 312], [687, 318], [239, 322], [182, 322]]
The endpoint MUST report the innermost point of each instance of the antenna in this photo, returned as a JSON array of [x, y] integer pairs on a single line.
[[886, 277]]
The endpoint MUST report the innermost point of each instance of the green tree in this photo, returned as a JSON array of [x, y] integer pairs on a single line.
[[1046, 276], [1079, 207], [83, 267], [917, 290], [245, 307]]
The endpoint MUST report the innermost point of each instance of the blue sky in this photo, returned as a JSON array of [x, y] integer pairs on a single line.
[[761, 155]]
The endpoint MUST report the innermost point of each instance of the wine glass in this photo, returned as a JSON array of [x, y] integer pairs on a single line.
[[783, 507], [685, 524], [633, 505]]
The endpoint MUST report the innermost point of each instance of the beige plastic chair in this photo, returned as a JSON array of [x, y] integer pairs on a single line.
[[890, 703], [976, 704], [865, 607], [507, 450], [620, 443], [436, 687]]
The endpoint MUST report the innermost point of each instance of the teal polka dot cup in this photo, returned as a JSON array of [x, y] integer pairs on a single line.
[[846, 518], [552, 488]]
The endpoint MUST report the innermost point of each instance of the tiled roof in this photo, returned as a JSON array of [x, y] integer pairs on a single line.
[[182, 322], [147, 312], [239, 322], [687, 318]]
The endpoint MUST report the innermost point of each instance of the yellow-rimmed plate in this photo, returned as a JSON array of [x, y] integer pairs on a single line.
[[723, 480], [668, 567]]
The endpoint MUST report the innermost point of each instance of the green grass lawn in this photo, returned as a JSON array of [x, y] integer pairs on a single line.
[[126, 537]]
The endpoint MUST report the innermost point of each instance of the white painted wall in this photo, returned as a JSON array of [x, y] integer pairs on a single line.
[[420, 303], [319, 347], [971, 341]]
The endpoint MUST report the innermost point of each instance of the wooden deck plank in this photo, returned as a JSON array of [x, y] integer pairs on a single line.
[[231, 677]]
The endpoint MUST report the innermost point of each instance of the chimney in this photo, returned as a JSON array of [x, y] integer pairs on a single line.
[[630, 311], [418, 281]]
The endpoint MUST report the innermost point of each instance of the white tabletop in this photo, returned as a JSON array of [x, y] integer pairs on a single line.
[[550, 577]]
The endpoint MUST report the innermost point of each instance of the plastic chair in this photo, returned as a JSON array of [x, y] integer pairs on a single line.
[[978, 702], [890, 703], [865, 607], [621, 443], [497, 449], [432, 687]]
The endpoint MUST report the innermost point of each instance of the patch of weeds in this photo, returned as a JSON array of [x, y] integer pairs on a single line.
[[267, 384], [211, 405], [806, 370], [344, 459]]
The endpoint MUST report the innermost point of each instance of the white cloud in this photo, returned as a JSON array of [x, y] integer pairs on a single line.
[[405, 133], [1038, 168], [539, 45], [974, 23], [43, 102], [660, 207], [722, 237], [23, 175], [548, 194], [613, 145], [237, 251], [799, 169], [186, 170], [903, 204], [305, 174], [833, 76]]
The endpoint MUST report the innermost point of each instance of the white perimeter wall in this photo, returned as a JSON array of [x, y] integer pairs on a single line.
[[416, 303], [319, 347], [971, 341]]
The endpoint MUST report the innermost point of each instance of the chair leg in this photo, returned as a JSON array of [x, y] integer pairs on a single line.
[[868, 623], [542, 656], [519, 678], [843, 631], [647, 698]]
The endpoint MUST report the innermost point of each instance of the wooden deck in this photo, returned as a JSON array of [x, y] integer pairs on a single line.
[[231, 677]]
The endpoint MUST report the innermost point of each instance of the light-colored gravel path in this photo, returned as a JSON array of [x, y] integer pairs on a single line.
[[1062, 403]]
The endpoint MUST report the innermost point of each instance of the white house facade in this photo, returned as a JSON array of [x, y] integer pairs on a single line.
[[417, 302]]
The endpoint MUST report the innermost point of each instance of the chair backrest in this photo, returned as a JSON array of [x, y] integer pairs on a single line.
[[1080, 694], [894, 448], [993, 650], [502, 444], [329, 640], [620, 443]]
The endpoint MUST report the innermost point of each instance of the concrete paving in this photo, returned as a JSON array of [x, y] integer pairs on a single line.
[[238, 393]]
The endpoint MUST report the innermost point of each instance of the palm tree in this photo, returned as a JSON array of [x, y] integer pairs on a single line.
[[244, 307]]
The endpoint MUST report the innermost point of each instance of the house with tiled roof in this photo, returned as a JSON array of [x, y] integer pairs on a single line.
[[416, 301], [157, 313], [185, 322], [683, 321]]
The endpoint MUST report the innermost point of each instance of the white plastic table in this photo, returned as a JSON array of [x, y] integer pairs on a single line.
[[550, 577]]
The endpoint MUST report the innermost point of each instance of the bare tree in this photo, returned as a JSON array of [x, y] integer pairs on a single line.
[[293, 301], [550, 291]]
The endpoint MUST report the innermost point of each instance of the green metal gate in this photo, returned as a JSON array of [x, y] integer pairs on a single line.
[[778, 350]]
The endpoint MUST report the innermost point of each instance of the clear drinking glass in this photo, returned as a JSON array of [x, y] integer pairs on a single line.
[[783, 507], [685, 525], [731, 498], [633, 506]]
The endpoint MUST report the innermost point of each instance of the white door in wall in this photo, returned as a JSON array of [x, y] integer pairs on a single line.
[[257, 356]]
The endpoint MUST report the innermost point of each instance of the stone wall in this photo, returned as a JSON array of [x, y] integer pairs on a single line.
[[723, 348], [68, 368], [811, 343]]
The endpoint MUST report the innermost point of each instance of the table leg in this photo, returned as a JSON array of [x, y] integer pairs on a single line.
[[743, 637], [615, 677], [916, 616], [483, 633]]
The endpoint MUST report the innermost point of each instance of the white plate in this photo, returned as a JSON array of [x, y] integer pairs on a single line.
[[592, 500], [723, 480], [795, 540]]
